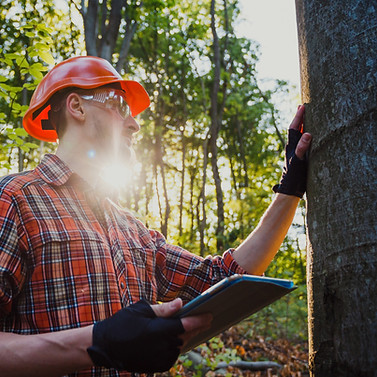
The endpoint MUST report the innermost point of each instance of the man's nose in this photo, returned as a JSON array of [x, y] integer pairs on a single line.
[[131, 124]]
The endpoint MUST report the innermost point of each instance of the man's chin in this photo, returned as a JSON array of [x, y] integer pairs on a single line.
[[127, 156]]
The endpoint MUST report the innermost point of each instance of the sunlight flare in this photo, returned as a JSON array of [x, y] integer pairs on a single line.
[[121, 176]]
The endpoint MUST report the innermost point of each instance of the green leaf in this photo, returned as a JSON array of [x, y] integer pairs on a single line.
[[16, 108], [41, 46], [39, 66], [20, 132], [11, 56], [15, 89], [32, 52], [31, 145], [6, 87], [30, 25], [22, 62], [12, 136], [36, 73], [44, 28], [29, 86], [6, 165], [47, 57]]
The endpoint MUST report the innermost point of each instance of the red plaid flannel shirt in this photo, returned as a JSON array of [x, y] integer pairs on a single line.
[[70, 257]]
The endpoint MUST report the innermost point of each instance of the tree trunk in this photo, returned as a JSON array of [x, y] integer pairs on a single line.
[[242, 152], [164, 207], [202, 222], [214, 131], [102, 27], [182, 189], [338, 57]]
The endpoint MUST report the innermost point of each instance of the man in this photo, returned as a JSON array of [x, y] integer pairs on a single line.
[[70, 258]]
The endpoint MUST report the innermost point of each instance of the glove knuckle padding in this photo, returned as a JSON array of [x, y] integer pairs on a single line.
[[293, 180], [136, 340]]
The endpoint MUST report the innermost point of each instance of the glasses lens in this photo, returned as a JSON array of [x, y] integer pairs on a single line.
[[112, 99], [123, 108]]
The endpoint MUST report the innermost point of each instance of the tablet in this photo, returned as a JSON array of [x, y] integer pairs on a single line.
[[232, 300]]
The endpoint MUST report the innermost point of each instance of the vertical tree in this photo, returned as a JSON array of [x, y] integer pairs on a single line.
[[338, 57], [109, 27], [215, 126]]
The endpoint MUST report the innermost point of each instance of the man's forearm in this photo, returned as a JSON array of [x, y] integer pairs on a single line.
[[258, 250], [52, 354]]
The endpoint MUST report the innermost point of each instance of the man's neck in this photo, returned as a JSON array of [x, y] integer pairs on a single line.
[[82, 161]]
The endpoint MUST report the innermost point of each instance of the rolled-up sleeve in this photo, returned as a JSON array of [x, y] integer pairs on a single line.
[[180, 273]]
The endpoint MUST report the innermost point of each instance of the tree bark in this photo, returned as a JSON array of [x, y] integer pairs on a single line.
[[242, 152], [89, 15], [102, 29], [182, 188], [164, 209], [110, 31], [338, 58], [202, 222], [214, 130]]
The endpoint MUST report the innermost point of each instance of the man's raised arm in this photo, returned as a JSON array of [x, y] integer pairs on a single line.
[[258, 250]]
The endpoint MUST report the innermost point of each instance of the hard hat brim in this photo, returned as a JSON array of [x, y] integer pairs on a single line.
[[71, 73]]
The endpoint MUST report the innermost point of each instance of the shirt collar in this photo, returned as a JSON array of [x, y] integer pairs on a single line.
[[56, 172], [53, 170]]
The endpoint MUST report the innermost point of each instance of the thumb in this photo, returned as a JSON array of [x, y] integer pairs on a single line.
[[167, 309]]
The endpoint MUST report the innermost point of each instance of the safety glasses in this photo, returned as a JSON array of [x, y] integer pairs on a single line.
[[111, 99]]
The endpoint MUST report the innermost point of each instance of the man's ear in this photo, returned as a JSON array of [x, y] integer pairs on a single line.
[[75, 107]]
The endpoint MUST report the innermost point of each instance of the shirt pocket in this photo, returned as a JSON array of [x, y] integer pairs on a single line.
[[73, 278]]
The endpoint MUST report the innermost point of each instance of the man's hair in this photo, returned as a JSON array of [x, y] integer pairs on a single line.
[[57, 116]]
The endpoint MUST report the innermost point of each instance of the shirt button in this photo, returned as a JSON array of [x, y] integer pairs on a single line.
[[122, 285]]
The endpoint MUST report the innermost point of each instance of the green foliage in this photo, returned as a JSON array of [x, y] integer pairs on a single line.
[[227, 355], [33, 34], [284, 319], [171, 54], [21, 67]]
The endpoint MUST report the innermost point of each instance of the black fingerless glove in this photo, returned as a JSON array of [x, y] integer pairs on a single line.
[[293, 180], [136, 340]]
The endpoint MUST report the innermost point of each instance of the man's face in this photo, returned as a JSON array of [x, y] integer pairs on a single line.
[[110, 126]]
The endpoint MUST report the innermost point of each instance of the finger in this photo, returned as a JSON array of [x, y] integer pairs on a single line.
[[168, 308], [298, 120], [303, 145], [187, 336], [196, 322]]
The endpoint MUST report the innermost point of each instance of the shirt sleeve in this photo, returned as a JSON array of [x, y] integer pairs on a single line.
[[12, 268], [180, 273]]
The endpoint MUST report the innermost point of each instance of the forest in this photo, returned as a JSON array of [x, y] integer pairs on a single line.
[[210, 148]]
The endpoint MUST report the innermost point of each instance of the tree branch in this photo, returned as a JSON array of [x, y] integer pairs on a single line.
[[198, 360]]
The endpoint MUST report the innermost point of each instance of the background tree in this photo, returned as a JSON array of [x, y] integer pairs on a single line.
[[338, 45], [169, 47], [171, 43], [33, 33]]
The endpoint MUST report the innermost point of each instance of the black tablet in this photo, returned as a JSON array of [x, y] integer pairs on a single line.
[[232, 300]]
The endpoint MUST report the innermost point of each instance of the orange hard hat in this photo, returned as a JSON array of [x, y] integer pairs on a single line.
[[86, 72]]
